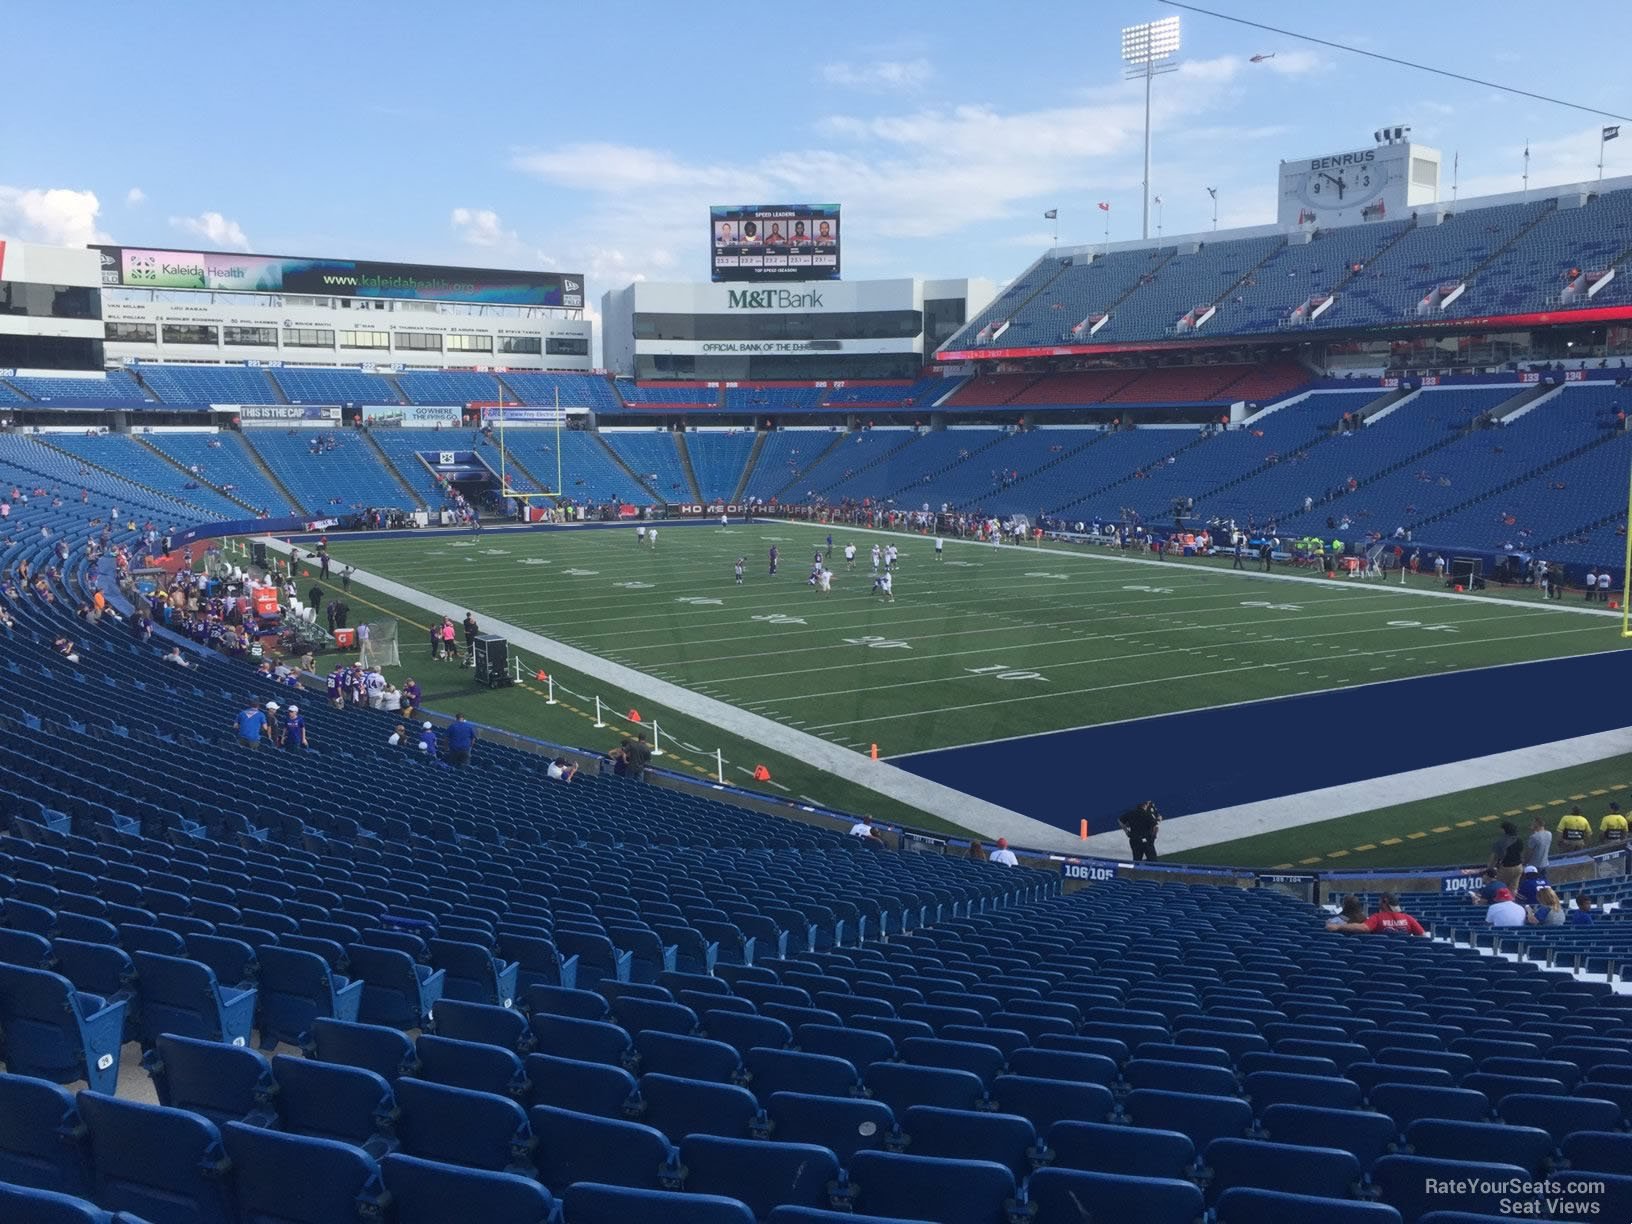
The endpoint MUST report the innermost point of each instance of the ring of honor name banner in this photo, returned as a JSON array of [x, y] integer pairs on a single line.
[[774, 242]]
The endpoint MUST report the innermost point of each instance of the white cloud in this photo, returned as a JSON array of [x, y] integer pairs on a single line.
[[58, 216], [481, 227], [135, 196], [215, 229], [879, 76]]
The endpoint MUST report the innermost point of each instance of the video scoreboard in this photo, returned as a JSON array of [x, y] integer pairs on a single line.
[[774, 242]]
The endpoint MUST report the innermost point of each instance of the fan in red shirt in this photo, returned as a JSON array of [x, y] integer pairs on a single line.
[[1390, 919]]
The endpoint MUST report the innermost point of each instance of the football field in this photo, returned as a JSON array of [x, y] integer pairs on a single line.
[[985, 644]]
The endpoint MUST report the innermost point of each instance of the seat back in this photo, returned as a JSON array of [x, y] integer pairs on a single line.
[[679, 1107], [587, 1087], [900, 1086], [794, 1071], [1417, 1185], [221, 1082], [844, 1126], [493, 1025], [577, 1147], [1248, 1206], [182, 996], [971, 1135], [1047, 1101], [385, 1051], [470, 1064], [1059, 1194], [1102, 1147], [42, 1140], [1529, 1147], [693, 1057], [395, 993], [1320, 1171], [586, 1040], [458, 1126], [930, 1188], [299, 1179], [52, 1031], [155, 1162], [760, 1174], [429, 1192], [589, 1203], [296, 987], [327, 1100]]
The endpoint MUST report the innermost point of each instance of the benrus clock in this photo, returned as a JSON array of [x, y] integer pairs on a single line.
[[1381, 183]]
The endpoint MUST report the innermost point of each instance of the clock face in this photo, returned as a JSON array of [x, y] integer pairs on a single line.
[[1343, 187]]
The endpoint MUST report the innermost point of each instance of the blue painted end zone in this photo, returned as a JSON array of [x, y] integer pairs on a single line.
[[1209, 759]]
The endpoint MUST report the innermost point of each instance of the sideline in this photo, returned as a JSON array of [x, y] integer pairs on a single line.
[[1198, 830], [987, 819]]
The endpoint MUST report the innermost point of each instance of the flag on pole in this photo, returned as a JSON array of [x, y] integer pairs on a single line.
[[1052, 214], [1104, 207], [1612, 131], [1213, 191], [1156, 200]]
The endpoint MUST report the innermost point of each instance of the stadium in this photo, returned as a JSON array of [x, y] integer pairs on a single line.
[[1137, 735]]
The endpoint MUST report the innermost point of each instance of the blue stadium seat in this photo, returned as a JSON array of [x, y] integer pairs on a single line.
[[588, 1087], [548, 1000], [585, 1040], [97, 969], [538, 962], [52, 1031], [396, 991], [1266, 1088], [457, 1126], [1062, 1196], [814, 1215], [760, 1174], [961, 1134], [500, 1026], [1321, 1172], [1597, 1151], [928, 1188], [221, 1082], [1406, 1102], [1179, 1077], [166, 1164], [1558, 1116], [692, 1057], [387, 1052], [1202, 1118], [745, 1032], [575, 1147], [296, 1179], [1366, 1136], [1103, 1147], [49, 1207], [1413, 1185], [1249, 1206], [641, 1015], [794, 1071], [844, 1126], [590, 1203], [1064, 1065], [1526, 1146], [679, 1107], [1045, 1102], [473, 974], [182, 997], [470, 1064], [297, 987], [984, 1061], [42, 1140], [431, 1192], [324, 1100]]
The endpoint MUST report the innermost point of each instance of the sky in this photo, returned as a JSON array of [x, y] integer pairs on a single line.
[[592, 138]]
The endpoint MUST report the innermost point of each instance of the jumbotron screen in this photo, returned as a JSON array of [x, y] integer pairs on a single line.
[[774, 242]]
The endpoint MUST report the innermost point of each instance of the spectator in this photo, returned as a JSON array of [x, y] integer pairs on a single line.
[[175, 656], [273, 731], [977, 851], [427, 739], [1141, 824], [1530, 883], [1351, 918], [64, 646], [1005, 856], [864, 828], [294, 729], [411, 696], [1504, 911], [636, 755], [1486, 892], [1507, 855], [1582, 914], [251, 726], [1573, 829], [1390, 919], [398, 736], [1538, 845], [461, 736], [562, 770], [1548, 909]]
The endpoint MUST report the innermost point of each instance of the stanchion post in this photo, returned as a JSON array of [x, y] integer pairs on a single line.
[[550, 681], [719, 765], [599, 721], [657, 741]]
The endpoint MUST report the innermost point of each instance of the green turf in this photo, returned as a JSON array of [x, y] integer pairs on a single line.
[[988, 643], [1455, 829]]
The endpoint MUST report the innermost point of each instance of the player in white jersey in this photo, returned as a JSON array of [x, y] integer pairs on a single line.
[[889, 556], [741, 561], [884, 584], [850, 556], [878, 557], [651, 537], [824, 581], [640, 533], [725, 520], [940, 548]]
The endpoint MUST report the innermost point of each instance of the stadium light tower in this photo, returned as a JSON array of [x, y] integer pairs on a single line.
[[1148, 50]]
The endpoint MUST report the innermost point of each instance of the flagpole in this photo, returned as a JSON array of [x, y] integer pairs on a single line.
[[1603, 132], [1526, 196], [1456, 169]]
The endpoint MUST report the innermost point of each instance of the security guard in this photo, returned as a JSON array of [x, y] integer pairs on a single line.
[[1612, 828], [1574, 829]]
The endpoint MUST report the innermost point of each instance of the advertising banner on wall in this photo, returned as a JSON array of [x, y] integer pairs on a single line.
[[411, 416], [493, 415], [228, 271], [282, 414]]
